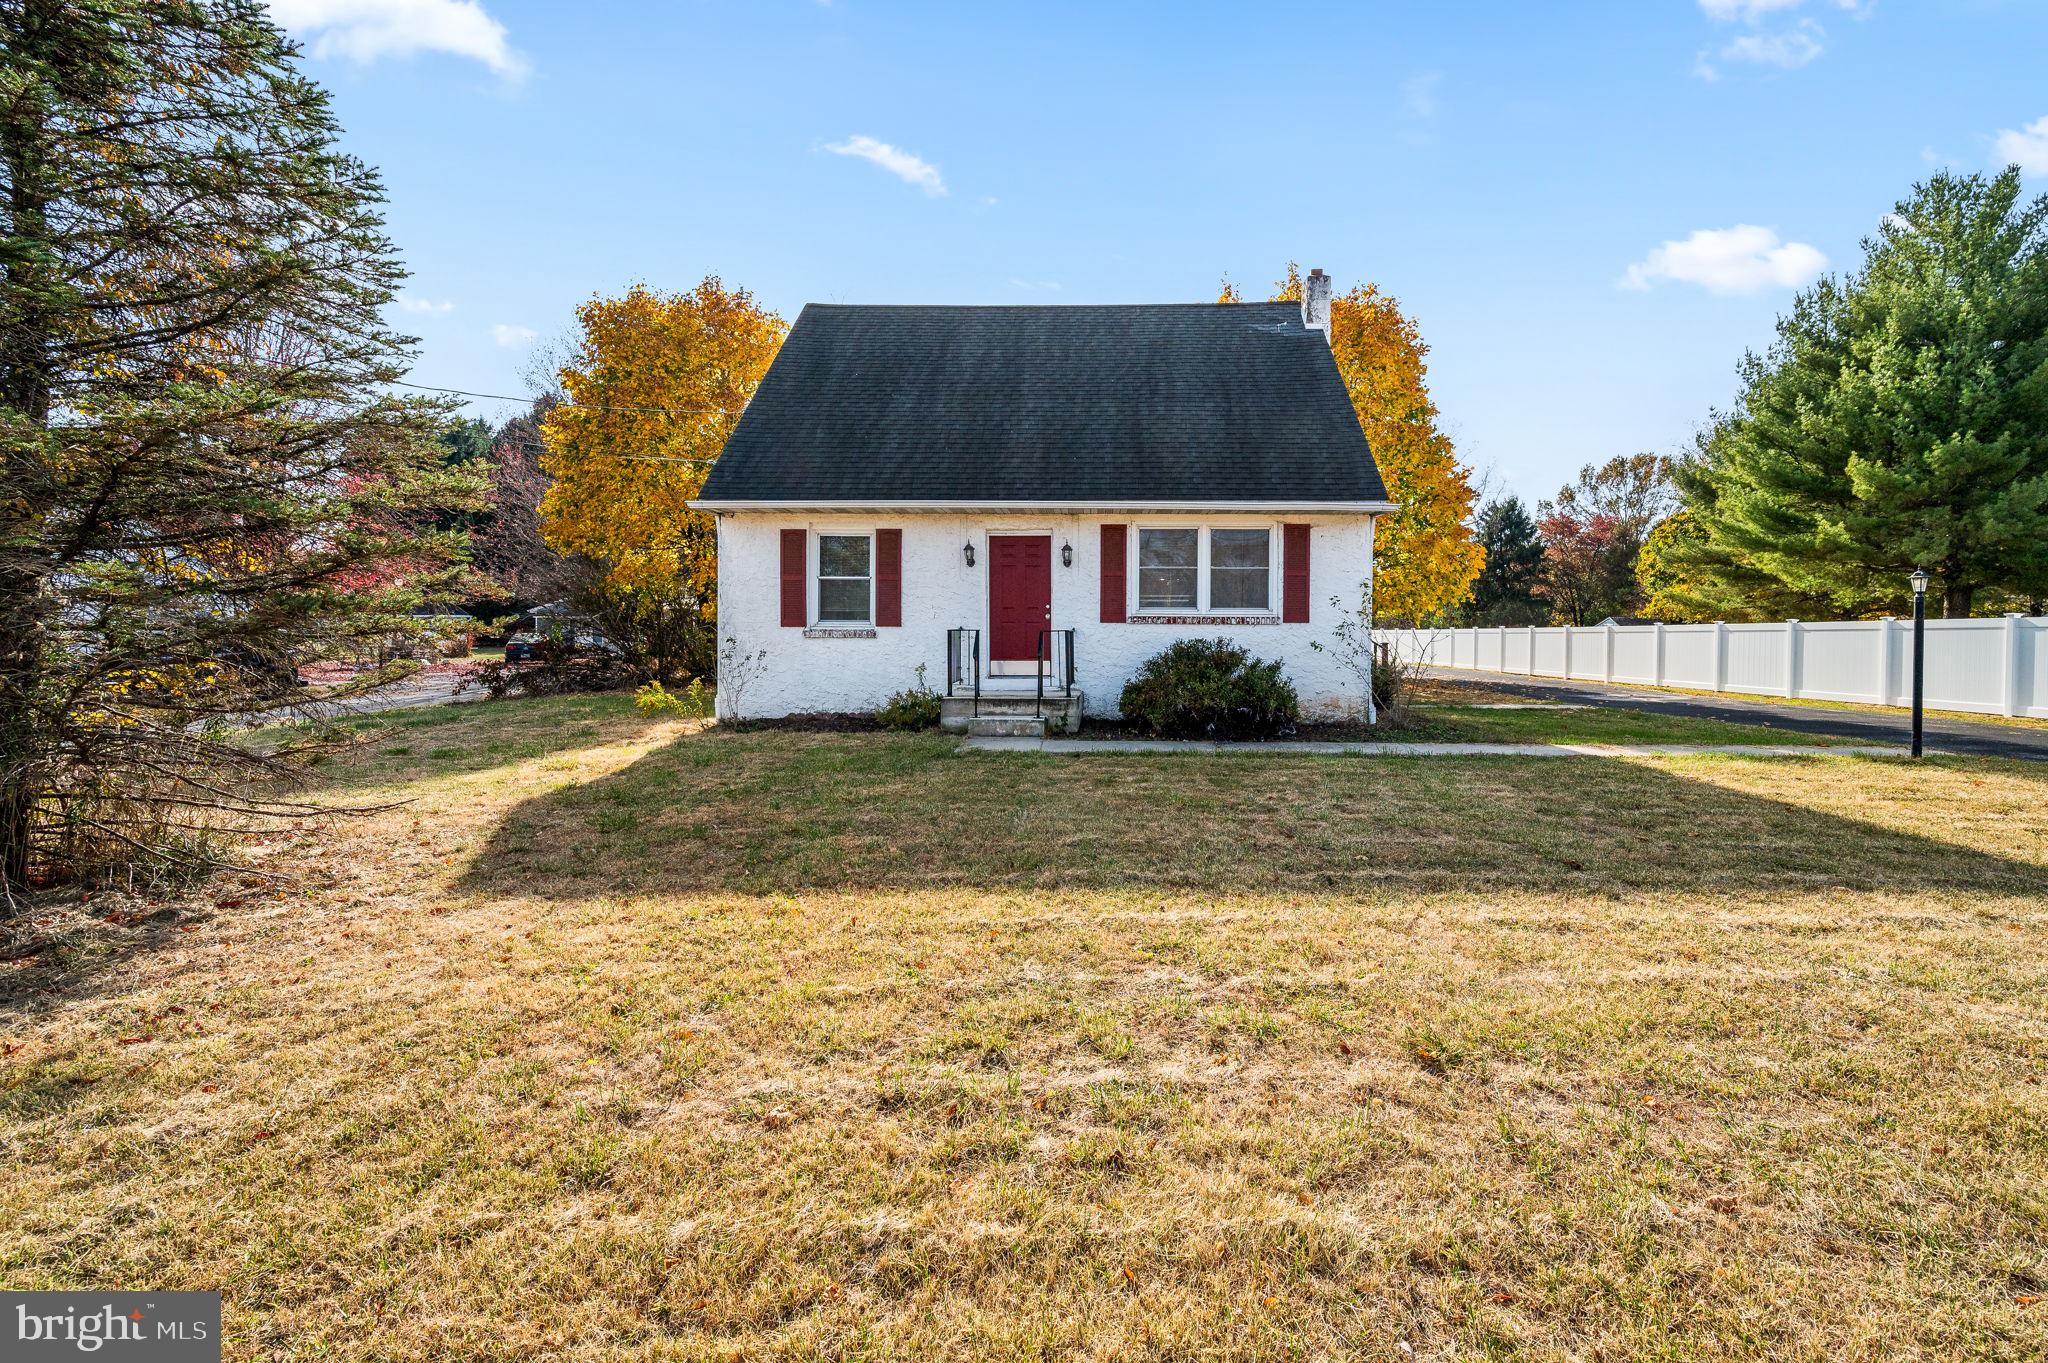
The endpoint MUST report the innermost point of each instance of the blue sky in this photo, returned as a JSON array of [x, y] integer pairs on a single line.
[[1590, 209]]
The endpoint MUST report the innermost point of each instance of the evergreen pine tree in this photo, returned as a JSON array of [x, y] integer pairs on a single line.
[[1900, 421], [1506, 590], [203, 477]]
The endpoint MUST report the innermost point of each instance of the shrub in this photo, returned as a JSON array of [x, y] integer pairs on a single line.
[[560, 667], [693, 703], [1389, 684], [1210, 688], [915, 708]]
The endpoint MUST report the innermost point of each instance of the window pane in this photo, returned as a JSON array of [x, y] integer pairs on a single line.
[[1238, 589], [1239, 548], [1167, 549], [843, 598], [842, 556], [1166, 589]]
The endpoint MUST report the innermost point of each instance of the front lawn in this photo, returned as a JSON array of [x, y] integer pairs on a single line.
[[624, 1039]]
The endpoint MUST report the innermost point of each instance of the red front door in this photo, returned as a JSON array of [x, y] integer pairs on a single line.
[[1019, 595]]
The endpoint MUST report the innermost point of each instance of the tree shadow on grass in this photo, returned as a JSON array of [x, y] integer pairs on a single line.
[[755, 813]]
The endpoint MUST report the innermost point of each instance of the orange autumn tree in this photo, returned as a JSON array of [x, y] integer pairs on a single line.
[[1426, 556], [655, 382]]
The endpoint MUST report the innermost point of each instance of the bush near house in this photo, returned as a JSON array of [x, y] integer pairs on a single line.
[[1210, 688], [915, 708]]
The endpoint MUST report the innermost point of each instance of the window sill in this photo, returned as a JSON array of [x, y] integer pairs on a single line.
[[840, 632], [1198, 618]]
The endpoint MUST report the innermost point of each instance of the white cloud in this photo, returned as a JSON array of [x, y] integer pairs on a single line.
[[1787, 47], [1419, 95], [1731, 260], [413, 303], [1755, 11], [1789, 50], [912, 170], [365, 30], [2025, 147], [1749, 11], [508, 335]]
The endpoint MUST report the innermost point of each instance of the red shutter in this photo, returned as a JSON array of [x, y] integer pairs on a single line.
[[1294, 574], [888, 577], [794, 616], [1115, 549]]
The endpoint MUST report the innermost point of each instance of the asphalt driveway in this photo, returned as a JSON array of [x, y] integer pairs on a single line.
[[1947, 733]]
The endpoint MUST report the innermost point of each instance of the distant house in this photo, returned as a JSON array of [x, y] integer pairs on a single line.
[[1026, 500]]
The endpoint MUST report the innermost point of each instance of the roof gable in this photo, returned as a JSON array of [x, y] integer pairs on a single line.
[[1199, 403]]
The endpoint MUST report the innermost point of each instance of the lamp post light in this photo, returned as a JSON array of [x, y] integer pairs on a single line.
[[1919, 581]]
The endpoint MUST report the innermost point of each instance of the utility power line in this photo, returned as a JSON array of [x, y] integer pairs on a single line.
[[530, 399]]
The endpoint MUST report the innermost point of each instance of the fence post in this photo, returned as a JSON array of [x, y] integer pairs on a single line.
[[1884, 659], [1791, 658], [1657, 668], [2010, 699], [1531, 664], [1607, 663], [1567, 652], [1503, 649], [1720, 655]]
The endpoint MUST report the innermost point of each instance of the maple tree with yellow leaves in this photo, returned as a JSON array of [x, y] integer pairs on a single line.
[[1426, 558], [655, 382]]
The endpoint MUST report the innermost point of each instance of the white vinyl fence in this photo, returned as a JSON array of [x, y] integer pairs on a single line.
[[1994, 667]]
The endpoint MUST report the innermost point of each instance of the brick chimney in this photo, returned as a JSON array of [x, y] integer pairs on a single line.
[[1315, 302]]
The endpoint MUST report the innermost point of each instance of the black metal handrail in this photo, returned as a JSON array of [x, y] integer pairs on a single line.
[[1055, 647], [963, 663]]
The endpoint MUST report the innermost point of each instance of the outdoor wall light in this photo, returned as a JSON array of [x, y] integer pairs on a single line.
[[1919, 581], [968, 549], [1067, 555]]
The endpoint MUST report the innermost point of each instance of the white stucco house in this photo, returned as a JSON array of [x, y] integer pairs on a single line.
[[1030, 501]]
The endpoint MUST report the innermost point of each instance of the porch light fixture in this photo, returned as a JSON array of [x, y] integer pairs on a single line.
[[968, 549], [1919, 580], [1067, 555]]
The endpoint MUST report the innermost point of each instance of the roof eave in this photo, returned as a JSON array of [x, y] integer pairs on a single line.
[[1094, 505]]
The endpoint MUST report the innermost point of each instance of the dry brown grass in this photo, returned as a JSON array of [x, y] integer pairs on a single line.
[[628, 1041]]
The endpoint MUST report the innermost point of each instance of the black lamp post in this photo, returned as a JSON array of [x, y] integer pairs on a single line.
[[1919, 580]]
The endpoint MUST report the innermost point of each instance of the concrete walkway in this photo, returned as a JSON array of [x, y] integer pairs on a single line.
[[1946, 733], [1286, 749]]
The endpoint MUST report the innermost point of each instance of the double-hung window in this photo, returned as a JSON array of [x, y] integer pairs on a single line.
[[1240, 570], [1169, 569], [846, 579], [1220, 570]]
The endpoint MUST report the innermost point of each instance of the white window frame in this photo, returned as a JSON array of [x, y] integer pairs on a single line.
[[1202, 604], [817, 574]]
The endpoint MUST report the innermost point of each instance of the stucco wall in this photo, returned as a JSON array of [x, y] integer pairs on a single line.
[[940, 592]]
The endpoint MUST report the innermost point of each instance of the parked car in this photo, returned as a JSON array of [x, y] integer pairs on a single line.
[[519, 647]]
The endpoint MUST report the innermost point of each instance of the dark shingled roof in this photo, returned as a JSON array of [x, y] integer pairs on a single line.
[[1228, 403]]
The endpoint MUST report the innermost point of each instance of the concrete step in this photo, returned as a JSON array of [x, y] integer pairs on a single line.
[[1062, 714], [1006, 726]]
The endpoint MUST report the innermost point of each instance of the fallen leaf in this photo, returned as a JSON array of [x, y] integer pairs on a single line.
[[1130, 1277], [2025, 1299], [263, 1135], [1723, 1202], [1270, 1301], [1038, 1103], [1343, 1048], [134, 1040], [778, 1119], [209, 1088], [1500, 1298]]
